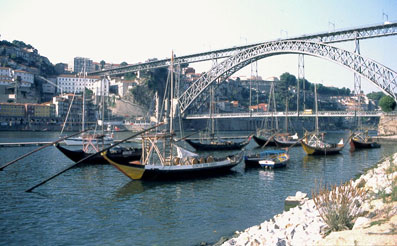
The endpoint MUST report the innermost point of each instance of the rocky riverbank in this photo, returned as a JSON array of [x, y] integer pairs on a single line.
[[303, 225]]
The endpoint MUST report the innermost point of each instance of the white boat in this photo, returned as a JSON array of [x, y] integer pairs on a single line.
[[95, 139]]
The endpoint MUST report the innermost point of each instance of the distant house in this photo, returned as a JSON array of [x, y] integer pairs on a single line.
[[262, 107], [61, 68], [9, 76], [122, 86], [75, 84]]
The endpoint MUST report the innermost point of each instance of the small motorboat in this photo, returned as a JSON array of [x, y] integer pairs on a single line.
[[275, 161], [253, 160]]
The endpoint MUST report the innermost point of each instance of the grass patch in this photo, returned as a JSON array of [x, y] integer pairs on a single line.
[[339, 206], [377, 222]]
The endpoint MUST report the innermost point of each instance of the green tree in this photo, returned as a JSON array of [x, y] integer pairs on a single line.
[[102, 64], [123, 64], [387, 104], [376, 96]]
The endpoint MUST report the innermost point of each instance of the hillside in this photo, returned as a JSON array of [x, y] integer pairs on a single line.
[[21, 56]]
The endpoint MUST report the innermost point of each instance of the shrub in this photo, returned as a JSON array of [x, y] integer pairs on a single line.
[[394, 190], [339, 206], [387, 104]]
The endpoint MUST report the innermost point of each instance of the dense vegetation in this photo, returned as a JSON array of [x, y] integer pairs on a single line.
[[151, 82], [387, 104], [33, 60], [287, 87]]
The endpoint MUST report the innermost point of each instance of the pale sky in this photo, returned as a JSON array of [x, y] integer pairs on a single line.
[[133, 31]]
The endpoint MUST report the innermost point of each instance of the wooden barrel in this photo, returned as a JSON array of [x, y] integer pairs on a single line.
[[176, 160]]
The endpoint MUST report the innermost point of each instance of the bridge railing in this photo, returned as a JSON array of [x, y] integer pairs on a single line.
[[290, 114]]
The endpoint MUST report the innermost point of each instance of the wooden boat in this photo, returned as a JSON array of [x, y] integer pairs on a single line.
[[218, 145], [254, 159], [262, 140], [117, 154], [275, 161], [314, 145], [159, 162], [361, 140], [163, 159], [94, 138], [286, 140]]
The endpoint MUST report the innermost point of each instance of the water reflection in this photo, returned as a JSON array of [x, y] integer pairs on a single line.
[[266, 174], [131, 188]]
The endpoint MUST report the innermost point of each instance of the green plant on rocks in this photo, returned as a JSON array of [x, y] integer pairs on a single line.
[[339, 206], [394, 190]]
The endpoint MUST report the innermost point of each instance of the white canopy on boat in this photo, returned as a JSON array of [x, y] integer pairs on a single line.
[[181, 152]]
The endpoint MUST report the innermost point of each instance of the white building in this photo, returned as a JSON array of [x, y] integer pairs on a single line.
[[123, 86], [27, 79], [75, 84], [8, 76]]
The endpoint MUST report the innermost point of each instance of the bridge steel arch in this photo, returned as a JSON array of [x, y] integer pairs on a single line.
[[383, 77]]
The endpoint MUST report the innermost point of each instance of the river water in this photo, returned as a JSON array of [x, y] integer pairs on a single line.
[[97, 205]]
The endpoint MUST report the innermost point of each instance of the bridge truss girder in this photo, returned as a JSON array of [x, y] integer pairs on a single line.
[[381, 76], [351, 34]]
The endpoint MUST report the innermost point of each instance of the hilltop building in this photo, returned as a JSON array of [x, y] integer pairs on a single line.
[[82, 64]]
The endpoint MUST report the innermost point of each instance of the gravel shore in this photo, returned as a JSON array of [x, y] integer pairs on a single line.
[[303, 225]]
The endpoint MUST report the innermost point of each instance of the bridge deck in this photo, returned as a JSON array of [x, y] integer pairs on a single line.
[[282, 114]]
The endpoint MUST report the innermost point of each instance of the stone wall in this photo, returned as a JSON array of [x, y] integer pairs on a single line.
[[387, 125]]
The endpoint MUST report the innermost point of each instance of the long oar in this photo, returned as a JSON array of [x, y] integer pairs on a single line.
[[42, 147], [298, 141], [185, 137], [268, 140], [82, 160]]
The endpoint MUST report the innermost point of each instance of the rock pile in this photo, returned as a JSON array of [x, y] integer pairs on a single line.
[[303, 225]]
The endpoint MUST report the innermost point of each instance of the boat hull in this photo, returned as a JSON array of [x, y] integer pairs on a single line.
[[281, 143], [121, 156], [262, 141], [320, 151], [356, 144], [80, 142], [273, 165], [217, 146], [137, 171]]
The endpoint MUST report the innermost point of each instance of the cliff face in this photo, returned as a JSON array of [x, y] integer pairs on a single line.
[[387, 125]]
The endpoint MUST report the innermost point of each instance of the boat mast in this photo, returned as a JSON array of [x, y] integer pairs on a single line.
[[103, 104], [316, 107], [83, 113], [274, 105], [286, 113], [172, 93], [211, 113]]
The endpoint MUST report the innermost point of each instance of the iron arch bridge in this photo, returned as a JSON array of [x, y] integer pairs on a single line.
[[383, 77]]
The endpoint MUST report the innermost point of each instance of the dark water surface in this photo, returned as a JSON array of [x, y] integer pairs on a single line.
[[97, 205]]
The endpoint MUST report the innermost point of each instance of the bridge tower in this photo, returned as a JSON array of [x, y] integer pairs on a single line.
[[301, 76], [357, 84]]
